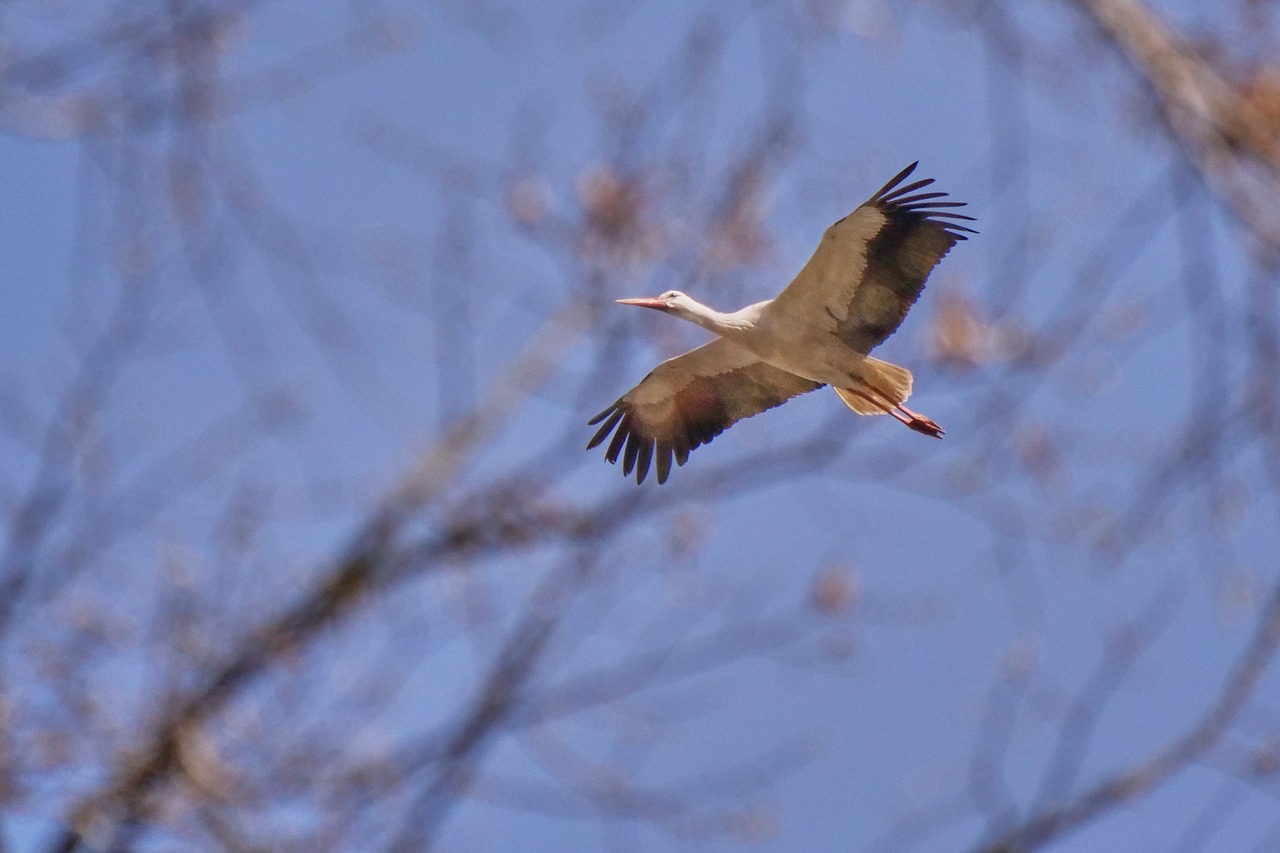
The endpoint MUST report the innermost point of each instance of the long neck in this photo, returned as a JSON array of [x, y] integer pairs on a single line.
[[725, 325]]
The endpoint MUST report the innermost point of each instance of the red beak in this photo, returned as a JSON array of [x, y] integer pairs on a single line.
[[644, 303]]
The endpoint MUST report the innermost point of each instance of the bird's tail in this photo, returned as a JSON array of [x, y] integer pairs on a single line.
[[889, 380]]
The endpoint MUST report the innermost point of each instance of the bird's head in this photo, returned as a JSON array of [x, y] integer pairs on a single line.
[[673, 301]]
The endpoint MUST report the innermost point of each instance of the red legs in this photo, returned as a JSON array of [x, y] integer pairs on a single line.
[[914, 420], [922, 423]]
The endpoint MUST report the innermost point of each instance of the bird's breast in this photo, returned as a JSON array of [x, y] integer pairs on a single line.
[[812, 353]]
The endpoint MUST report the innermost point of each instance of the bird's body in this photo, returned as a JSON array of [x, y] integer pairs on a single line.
[[792, 343], [852, 294]]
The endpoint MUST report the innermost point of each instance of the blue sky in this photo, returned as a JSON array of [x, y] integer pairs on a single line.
[[971, 573]]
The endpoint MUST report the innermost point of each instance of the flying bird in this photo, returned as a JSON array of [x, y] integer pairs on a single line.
[[853, 293]]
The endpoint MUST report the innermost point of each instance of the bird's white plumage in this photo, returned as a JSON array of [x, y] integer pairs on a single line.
[[856, 289]]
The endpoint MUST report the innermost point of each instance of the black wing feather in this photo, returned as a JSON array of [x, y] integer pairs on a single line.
[[917, 232]]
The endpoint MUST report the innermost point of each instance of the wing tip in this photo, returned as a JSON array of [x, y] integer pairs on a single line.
[[895, 180], [929, 206], [635, 449], [615, 414]]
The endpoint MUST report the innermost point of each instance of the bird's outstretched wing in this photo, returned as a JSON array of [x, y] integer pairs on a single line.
[[688, 400], [870, 267]]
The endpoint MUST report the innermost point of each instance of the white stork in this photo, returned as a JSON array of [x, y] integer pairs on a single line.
[[853, 293]]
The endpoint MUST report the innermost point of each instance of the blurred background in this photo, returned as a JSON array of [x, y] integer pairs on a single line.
[[304, 307]]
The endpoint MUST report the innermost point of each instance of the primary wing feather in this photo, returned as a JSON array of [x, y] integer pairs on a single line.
[[687, 401], [872, 265]]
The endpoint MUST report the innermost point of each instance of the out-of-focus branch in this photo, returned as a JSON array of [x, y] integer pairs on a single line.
[[1222, 130], [1139, 780], [374, 560], [501, 693], [1081, 721], [1189, 86], [69, 423]]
